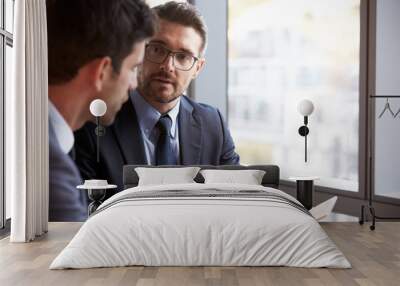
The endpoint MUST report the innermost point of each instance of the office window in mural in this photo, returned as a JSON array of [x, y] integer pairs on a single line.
[[283, 51]]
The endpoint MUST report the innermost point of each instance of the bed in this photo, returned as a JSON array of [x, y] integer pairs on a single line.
[[201, 224]]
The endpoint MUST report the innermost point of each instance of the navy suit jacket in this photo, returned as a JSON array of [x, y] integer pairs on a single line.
[[66, 203], [204, 139]]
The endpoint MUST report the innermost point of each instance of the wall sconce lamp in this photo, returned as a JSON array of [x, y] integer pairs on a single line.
[[98, 108], [305, 108]]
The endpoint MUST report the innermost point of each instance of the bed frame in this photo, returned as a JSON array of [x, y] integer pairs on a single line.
[[270, 179]]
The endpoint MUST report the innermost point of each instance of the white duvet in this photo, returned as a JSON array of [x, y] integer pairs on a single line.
[[200, 231]]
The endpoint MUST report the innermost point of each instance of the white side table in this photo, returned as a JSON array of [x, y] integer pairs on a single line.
[[305, 190], [96, 192]]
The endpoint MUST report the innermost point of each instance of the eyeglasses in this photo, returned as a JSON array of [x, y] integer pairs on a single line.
[[157, 54]]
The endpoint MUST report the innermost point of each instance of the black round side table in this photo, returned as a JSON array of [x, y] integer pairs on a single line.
[[305, 190]]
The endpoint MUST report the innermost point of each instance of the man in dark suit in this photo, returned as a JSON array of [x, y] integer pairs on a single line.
[[90, 57], [65, 202], [158, 125]]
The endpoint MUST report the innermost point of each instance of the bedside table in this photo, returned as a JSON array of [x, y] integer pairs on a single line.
[[96, 192], [305, 190]]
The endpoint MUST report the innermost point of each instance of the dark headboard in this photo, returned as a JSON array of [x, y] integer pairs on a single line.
[[270, 179]]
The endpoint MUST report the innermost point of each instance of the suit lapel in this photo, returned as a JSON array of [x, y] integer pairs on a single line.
[[190, 135], [127, 131]]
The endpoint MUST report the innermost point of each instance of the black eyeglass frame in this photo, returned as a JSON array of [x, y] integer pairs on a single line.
[[169, 52]]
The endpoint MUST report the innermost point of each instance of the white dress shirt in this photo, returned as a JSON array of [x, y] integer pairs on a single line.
[[64, 134]]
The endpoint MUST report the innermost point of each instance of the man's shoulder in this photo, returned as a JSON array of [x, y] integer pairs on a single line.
[[201, 109], [61, 165], [87, 130], [54, 146]]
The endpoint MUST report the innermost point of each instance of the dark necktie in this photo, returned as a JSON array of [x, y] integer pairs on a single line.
[[165, 154]]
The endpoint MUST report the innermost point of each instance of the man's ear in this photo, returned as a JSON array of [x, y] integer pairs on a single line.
[[102, 71], [199, 66]]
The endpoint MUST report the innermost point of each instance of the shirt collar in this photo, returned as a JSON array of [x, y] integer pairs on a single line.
[[148, 116], [173, 114], [64, 134]]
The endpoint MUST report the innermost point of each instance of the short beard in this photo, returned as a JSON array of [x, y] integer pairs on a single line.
[[160, 99], [146, 91]]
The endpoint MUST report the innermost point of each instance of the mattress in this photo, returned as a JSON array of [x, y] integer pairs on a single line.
[[201, 225]]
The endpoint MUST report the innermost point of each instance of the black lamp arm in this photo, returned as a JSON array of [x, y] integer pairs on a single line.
[[100, 131], [303, 131]]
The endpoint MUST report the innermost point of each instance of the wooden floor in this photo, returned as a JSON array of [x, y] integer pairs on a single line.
[[375, 256]]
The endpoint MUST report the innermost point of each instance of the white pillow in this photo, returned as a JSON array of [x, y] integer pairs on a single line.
[[248, 177], [165, 176]]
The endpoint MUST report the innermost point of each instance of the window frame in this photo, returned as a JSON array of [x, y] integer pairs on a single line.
[[6, 39], [372, 57]]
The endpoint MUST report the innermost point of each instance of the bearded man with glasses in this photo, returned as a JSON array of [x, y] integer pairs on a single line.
[[159, 125]]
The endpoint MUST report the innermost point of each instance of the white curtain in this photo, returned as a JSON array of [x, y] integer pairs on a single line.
[[27, 124]]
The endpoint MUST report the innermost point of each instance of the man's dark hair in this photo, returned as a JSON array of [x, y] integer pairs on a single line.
[[80, 31], [184, 14]]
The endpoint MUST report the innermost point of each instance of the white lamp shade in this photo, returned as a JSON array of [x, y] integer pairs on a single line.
[[98, 107], [305, 107]]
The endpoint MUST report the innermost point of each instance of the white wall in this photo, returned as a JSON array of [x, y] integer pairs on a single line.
[[211, 85], [387, 130]]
